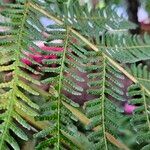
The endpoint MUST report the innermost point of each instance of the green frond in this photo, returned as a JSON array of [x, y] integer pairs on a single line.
[[15, 95], [141, 73], [104, 83], [84, 47], [90, 22], [141, 118], [66, 78], [68, 135], [127, 48]]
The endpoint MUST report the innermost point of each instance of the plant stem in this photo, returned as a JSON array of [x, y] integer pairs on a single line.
[[93, 47]]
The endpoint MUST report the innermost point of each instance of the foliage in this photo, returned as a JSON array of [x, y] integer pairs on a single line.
[[91, 53], [140, 120], [104, 84]]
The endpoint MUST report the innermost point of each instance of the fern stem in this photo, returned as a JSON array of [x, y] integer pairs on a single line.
[[145, 107], [103, 102], [82, 117], [15, 79], [46, 13], [95, 48], [117, 65], [30, 119], [60, 83], [6, 123]]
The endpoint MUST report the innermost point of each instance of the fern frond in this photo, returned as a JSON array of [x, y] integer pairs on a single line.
[[16, 91], [83, 118], [84, 40], [68, 137], [141, 118], [127, 48], [141, 73], [117, 42], [104, 83], [64, 70], [67, 65]]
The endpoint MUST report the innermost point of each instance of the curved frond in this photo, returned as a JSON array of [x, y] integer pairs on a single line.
[[141, 118], [64, 78], [141, 73], [82, 48], [104, 84], [127, 48], [15, 91]]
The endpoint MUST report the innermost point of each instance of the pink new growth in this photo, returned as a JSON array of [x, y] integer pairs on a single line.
[[128, 109], [37, 56]]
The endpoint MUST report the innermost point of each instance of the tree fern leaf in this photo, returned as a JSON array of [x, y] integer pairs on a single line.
[[4, 60], [21, 121], [65, 72], [129, 51], [27, 88], [28, 77], [18, 132], [90, 44], [72, 91], [69, 101], [52, 70], [98, 110], [77, 140], [86, 121], [50, 62], [46, 143], [141, 114], [141, 73], [25, 109], [74, 75], [26, 99], [10, 140], [60, 83], [46, 132], [72, 84], [50, 79]]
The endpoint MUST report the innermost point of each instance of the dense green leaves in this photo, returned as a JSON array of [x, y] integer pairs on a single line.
[[15, 92], [70, 70], [67, 68], [141, 73], [141, 118], [104, 84], [128, 48]]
